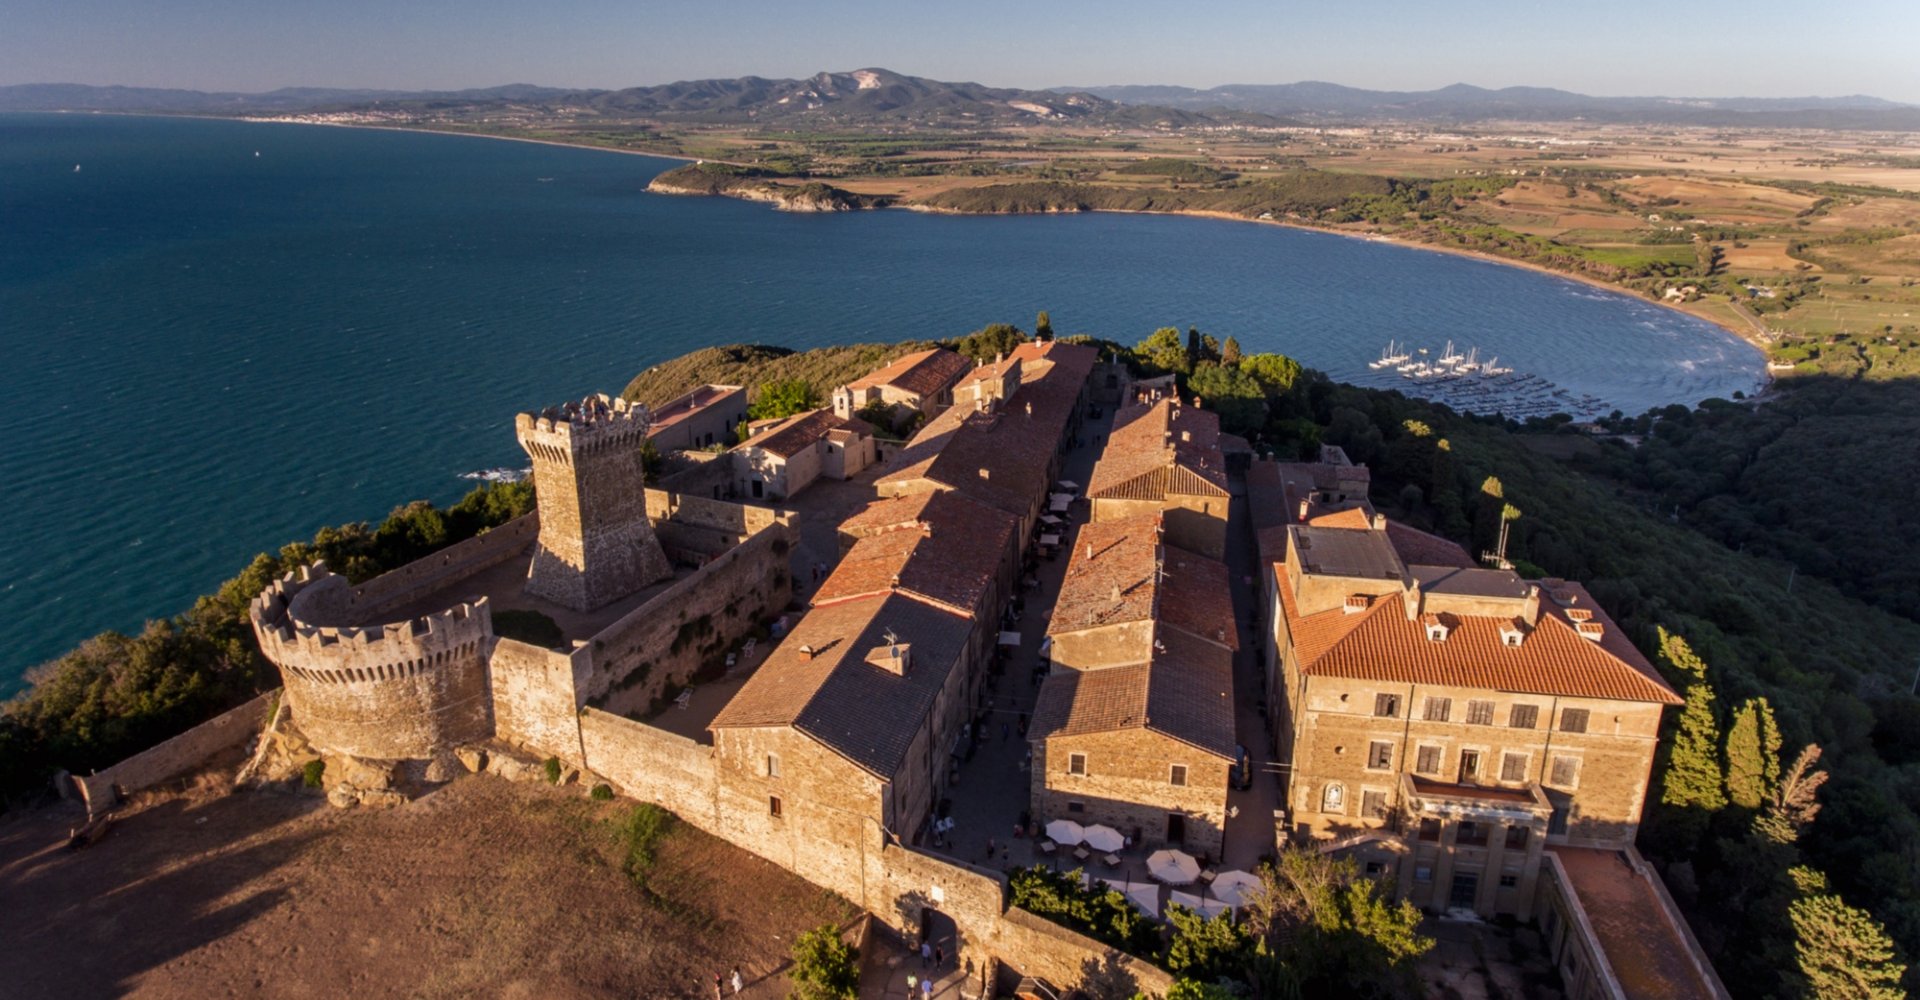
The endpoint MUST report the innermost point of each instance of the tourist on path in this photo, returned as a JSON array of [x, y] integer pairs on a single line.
[[719, 988], [913, 983], [939, 958], [926, 954], [926, 988], [738, 983]]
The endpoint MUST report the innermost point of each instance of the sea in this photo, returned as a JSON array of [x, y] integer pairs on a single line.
[[218, 336]]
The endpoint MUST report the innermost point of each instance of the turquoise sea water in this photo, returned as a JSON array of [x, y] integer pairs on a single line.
[[208, 352]]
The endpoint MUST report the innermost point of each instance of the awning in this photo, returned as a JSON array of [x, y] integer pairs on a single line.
[[1060, 503], [1050, 519], [1060, 498], [1009, 638], [1068, 484], [1049, 539]]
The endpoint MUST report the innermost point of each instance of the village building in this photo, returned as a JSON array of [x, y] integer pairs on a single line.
[[785, 458], [700, 418], [1452, 722], [921, 383], [1162, 456]]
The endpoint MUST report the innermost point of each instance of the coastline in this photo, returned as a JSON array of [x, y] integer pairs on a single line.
[[1744, 333]]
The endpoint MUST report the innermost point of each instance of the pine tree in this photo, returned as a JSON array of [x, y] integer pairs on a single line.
[[1748, 759], [1795, 801], [1043, 326], [1693, 777], [1230, 352], [1843, 953]]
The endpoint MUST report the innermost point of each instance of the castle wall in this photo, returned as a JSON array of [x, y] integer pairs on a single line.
[[533, 699], [646, 762], [690, 624], [393, 691], [400, 587], [178, 755]]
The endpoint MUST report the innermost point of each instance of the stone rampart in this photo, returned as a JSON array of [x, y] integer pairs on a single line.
[[649, 763], [423, 576], [721, 515], [390, 691], [176, 756], [690, 624], [534, 707]]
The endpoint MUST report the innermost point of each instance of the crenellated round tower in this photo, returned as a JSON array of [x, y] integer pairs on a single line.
[[596, 544], [396, 690]]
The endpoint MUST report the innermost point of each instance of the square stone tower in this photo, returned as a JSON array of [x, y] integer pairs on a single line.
[[596, 544]]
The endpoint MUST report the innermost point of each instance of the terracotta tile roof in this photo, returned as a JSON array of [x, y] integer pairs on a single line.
[[1184, 691], [795, 434], [1160, 449], [952, 557], [1111, 579], [1353, 518], [863, 712], [923, 373], [994, 370], [931, 507], [1382, 643], [1645, 947], [693, 401]]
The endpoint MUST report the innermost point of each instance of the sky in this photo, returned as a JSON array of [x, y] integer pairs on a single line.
[[1703, 48]]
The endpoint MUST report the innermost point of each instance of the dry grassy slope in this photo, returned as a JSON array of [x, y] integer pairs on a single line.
[[753, 365], [483, 888]]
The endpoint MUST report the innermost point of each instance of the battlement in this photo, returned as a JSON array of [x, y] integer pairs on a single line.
[[594, 424], [301, 618]]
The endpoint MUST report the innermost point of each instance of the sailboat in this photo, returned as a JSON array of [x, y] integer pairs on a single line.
[[1448, 356], [1387, 358]]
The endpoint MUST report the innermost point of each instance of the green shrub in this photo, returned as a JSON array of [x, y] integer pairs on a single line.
[[311, 774], [640, 834], [553, 770], [824, 966], [602, 792], [1100, 913]]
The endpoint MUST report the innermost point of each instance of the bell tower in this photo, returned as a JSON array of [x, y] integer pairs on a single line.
[[596, 544]]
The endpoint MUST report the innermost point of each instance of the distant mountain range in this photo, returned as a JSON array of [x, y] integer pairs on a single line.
[[878, 96], [1464, 103], [861, 96]]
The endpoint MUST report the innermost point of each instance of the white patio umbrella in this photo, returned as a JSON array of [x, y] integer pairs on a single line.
[[1233, 887], [1102, 838], [1208, 908], [1173, 867], [1065, 832]]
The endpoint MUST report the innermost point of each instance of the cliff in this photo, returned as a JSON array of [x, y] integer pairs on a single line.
[[734, 182]]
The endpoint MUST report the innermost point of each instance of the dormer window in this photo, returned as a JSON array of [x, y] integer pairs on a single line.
[[1356, 603], [1591, 631], [1579, 615], [1512, 633], [892, 657], [1436, 629]]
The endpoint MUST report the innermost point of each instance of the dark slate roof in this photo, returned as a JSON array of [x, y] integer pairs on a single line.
[[864, 713], [1185, 691]]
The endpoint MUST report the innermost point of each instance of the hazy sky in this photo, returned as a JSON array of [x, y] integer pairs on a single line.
[[1702, 48]]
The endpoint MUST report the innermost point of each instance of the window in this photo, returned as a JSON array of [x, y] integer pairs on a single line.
[[1438, 709], [1573, 720], [1334, 799], [1509, 881], [1523, 716], [1373, 805], [1375, 869], [1179, 775], [1480, 713], [1379, 755], [1471, 834], [1566, 772], [1422, 873], [773, 765], [1077, 764], [1513, 767], [1517, 838], [1075, 807], [773, 804], [1386, 705], [1430, 831], [1427, 761]]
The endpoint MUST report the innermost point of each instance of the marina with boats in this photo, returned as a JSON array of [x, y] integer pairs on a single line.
[[1464, 382]]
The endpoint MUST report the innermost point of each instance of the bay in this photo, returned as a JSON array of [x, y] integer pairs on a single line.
[[217, 336]]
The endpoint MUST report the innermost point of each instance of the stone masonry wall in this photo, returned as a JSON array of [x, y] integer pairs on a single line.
[[690, 624], [533, 699], [402, 586], [645, 762], [1127, 786], [178, 755]]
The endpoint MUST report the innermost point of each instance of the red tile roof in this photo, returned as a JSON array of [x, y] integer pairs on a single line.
[[1111, 578], [923, 373], [802, 430], [1160, 449], [1184, 690], [952, 557]]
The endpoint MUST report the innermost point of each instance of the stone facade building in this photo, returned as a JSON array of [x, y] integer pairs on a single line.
[[1162, 456], [921, 382], [786, 457], [1450, 722], [699, 418]]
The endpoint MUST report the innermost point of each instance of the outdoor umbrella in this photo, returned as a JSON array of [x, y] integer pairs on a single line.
[[1234, 887], [1205, 907], [1064, 832], [1103, 838], [1173, 867]]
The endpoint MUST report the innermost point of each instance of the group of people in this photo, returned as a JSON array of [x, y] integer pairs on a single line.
[[720, 984], [920, 984]]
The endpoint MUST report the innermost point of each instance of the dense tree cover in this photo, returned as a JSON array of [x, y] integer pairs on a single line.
[[784, 399], [1246, 390], [825, 967], [1175, 169], [1096, 911], [116, 695], [993, 340], [753, 364]]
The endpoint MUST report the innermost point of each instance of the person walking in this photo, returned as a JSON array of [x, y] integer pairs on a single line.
[[738, 983], [913, 983], [926, 988], [939, 957], [719, 988], [926, 954]]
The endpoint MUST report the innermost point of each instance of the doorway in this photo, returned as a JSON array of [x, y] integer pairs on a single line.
[[1466, 886], [1469, 766], [759, 489], [1176, 828]]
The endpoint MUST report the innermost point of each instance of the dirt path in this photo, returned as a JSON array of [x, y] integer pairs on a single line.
[[481, 889]]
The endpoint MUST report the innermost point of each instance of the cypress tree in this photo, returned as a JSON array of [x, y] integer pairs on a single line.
[[1843, 953], [1043, 326], [1693, 777], [1745, 781], [1230, 352]]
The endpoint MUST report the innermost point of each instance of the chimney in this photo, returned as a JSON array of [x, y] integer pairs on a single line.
[[1116, 592], [894, 583], [926, 528], [1304, 506], [1186, 437], [806, 652], [892, 657], [983, 473], [1379, 522]]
